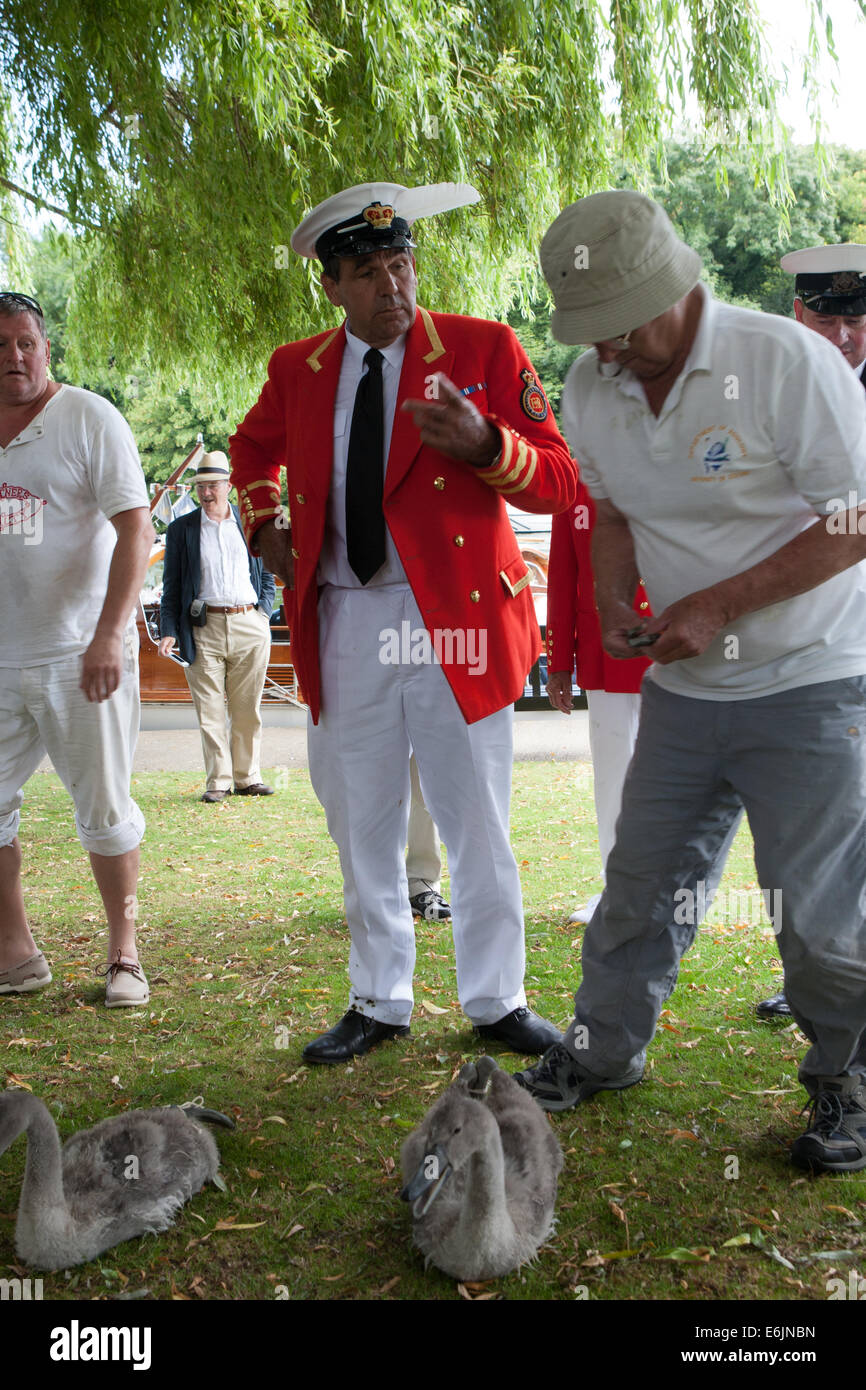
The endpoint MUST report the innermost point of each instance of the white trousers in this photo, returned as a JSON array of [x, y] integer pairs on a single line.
[[43, 710], [373, 715], [423, 860], [613, 721]]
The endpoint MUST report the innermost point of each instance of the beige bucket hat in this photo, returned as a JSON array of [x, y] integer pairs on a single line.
[[613, 262]]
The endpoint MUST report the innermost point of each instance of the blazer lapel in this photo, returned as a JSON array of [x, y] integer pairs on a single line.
[[318, 379], [425, 355]]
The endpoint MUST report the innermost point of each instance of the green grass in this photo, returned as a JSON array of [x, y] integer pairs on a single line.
[[242, 935]]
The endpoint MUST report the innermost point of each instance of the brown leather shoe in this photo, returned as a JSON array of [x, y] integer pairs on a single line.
[[254, 789], [216, 795]]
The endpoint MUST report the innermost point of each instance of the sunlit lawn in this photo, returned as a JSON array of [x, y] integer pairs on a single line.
[[242, 936]]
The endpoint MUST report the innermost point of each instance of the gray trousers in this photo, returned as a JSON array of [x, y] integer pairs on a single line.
[[797, 762]]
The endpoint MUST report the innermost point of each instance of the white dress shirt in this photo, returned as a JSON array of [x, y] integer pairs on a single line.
[[334, 567], [225, 564]]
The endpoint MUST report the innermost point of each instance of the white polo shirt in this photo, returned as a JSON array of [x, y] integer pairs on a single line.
[[764, 427], [61, 479]]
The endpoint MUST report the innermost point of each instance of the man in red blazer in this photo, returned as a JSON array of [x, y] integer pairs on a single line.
[[612, 686], [402, 433]]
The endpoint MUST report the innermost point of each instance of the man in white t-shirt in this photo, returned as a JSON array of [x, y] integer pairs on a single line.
[[75, 536], [726, 453]]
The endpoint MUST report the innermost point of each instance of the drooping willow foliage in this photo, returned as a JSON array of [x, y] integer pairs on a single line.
[[185, 141]]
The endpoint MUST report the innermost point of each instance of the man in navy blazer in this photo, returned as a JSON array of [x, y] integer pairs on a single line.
[[216, 606]]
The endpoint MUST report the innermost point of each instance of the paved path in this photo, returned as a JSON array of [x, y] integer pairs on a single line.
[[537, 737]]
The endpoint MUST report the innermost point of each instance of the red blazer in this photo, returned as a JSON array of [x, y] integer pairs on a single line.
[[572, 617], [447, 518]]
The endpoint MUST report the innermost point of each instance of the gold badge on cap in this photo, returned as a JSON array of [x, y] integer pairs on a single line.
[[846, 282], [379, 215]]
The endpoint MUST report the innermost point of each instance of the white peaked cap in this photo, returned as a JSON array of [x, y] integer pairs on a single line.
[[352, 204], [826, 260]]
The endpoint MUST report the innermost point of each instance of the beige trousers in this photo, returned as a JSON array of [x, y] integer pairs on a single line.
[[226, 682]]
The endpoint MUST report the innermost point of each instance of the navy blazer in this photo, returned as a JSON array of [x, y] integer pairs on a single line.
[[181, 578]]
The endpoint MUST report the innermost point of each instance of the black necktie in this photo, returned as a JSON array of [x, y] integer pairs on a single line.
[[365, 520]]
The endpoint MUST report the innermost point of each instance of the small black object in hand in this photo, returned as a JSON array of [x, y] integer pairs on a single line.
[[637, 638]]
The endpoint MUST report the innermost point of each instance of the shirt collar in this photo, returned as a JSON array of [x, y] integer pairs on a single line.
[[393, 353], [206, 520]]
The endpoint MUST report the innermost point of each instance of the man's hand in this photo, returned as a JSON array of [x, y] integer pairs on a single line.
[[275, 547], [617, 621], [165, 645], [453, 425], [102, 667], [559, 690], [687, 627]]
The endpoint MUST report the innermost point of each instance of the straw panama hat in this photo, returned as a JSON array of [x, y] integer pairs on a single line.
[[613, 262], [212, 468]]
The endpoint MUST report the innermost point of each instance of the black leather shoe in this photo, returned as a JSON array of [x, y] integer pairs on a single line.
[[777, 1007], [216, 796], [522, 1031], [254, 789], [354, 1035]]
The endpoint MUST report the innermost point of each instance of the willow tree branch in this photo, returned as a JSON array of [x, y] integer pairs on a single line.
[[49, 207]]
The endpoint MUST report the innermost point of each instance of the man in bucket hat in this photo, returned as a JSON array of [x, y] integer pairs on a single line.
[[720, 446], [402, 433], [216, 605]]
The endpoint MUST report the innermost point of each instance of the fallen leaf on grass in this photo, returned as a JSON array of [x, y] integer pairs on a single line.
[[293, 1232], [239, 1226], [846, 1211], [477, 1293], [772, 1253], [701, 1254], [275, 1119], [432, 1008], [386, 1288], [676, 1134], [742, 1239], [17, 1081]]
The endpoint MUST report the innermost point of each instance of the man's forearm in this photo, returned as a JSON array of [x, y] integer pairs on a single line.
[[808, 560], [125, 578], [613, 563]]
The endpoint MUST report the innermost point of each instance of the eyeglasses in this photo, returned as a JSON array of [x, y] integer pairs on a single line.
[[22, 300], [618, 344]]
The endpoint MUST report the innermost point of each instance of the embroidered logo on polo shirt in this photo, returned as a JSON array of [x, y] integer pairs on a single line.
[[718, 448]]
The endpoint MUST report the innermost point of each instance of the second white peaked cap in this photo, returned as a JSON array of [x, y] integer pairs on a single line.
[[408, 204], [820, 260]]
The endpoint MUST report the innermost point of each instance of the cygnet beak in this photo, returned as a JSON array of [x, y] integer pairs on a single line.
[[432, 1173]]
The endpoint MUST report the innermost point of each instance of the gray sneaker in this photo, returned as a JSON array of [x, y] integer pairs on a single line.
[[558, 1083], [835, 1141]]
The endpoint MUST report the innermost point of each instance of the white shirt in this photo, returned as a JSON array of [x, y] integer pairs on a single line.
[[762, 428], [334, 567], [61, 479], [225, 564]]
